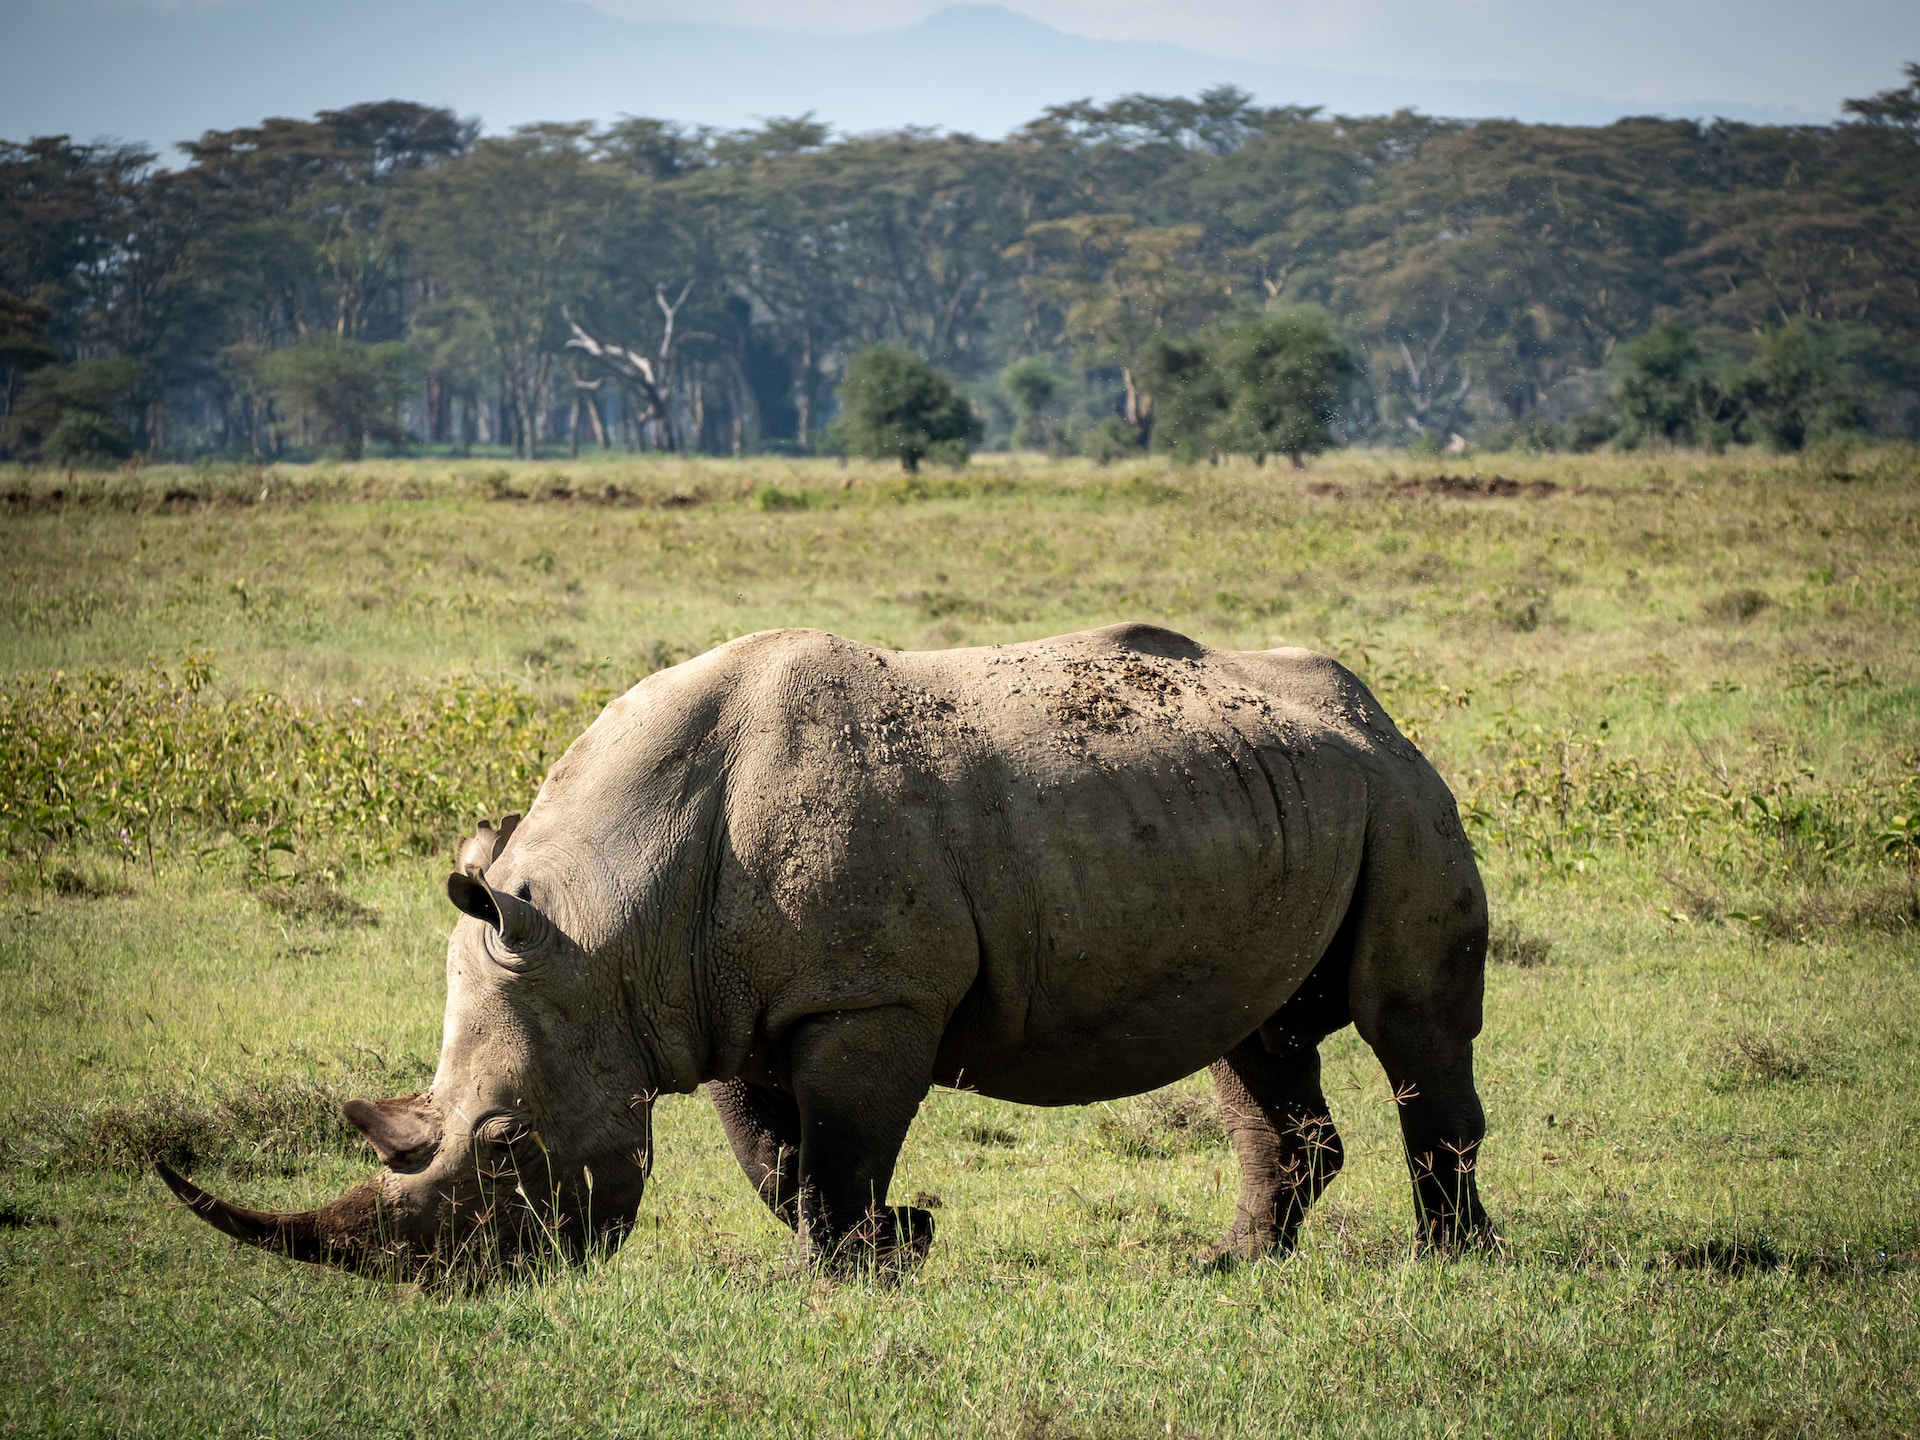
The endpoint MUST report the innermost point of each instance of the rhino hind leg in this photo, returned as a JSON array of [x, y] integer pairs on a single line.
[[1419, 968], [1283, 1136], [763, 1127], [1442, 1124]]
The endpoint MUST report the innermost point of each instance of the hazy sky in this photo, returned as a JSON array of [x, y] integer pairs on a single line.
[[1806, 53], [158, 71]]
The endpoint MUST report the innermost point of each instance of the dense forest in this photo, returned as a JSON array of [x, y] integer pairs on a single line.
[[385, 274]]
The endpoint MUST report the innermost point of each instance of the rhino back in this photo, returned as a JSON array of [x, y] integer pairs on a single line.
[[1101, 859]]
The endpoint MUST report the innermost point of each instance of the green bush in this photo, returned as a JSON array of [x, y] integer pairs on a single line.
[[1667, 392], [1273, 385], [146, 760], [1034, 386], [75, 414], [82, 437], [1797, 391], [345, 391], [894, 405], [1112, 439]]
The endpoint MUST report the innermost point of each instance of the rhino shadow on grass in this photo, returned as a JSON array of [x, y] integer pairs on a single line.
[[822, 878]]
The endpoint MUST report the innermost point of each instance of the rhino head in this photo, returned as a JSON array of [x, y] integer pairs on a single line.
[[532, 1139]]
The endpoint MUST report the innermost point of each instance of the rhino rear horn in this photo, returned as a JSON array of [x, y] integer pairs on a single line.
[[519, 924], [397, 1128]]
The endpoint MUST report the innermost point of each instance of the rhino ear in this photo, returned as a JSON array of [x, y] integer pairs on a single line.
[[481, 849], [397, 1128], [501, 836], [519, 924]]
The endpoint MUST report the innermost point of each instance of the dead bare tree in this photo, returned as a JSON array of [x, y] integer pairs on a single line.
[[1424, 381], [646, 380]]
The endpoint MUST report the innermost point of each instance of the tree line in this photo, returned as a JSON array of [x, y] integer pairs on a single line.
[[1149, 272]]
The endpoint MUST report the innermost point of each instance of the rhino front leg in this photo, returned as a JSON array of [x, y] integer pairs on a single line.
[[763, 1126], [1284, 1138], [858, 1079]]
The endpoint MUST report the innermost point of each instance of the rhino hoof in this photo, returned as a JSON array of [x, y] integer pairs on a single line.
[[1238, 1249], [912, 1235], [889, 1241]]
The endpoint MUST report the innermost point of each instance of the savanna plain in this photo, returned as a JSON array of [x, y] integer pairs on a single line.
[[247, 713]]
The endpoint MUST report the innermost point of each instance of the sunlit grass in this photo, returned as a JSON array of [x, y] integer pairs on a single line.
[[1700, 1066]]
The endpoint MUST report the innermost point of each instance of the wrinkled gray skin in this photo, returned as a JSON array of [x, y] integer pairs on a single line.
[[822, 878]]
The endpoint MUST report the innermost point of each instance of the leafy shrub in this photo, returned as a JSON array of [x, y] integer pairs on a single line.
[[82, 437], [1667, 392], [75, 414], [1555, 796], [894, 405], [127, 764], [344, 390], [1798, 389], [1034, 386], [139, 761], [1112, 439], [1271, 385]]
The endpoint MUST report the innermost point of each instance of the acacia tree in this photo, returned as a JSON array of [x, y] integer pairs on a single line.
[[514, 229], [1115, 288], [647, 381], [346, 391]]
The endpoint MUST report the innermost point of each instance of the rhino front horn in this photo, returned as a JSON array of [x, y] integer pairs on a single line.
[[344, 1233], [519, 924]]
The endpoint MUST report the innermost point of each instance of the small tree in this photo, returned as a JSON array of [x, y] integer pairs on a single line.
[[346, 390], [1797, 390], [1034, 385], [1288, 375], [1667, 393], [1193, 396], [75, 414], [1272, 385], [893, 403]]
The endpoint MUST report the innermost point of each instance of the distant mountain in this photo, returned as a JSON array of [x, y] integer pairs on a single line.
[[88, 69]]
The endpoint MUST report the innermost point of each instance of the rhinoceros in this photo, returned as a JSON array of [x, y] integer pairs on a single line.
[[821, 878]]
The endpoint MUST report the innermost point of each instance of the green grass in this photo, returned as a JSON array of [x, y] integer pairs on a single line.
[[1689, 747]]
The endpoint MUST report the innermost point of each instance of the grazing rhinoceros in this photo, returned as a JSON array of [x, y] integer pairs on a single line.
[[822, 878]]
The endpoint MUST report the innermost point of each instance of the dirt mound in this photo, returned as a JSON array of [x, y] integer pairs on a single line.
[[1473, 487]]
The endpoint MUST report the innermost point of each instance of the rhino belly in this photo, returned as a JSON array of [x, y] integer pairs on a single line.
[[1141, 1016]]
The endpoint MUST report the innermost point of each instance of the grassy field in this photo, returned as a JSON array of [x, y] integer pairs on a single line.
[[246, 714]]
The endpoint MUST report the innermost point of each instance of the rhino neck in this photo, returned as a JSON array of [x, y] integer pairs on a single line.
[[638, 806], [677, 1004]]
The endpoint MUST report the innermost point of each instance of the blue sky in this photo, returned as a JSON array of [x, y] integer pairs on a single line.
[[158, 71]]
